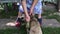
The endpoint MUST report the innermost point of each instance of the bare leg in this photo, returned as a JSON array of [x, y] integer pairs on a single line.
[[19, 14]]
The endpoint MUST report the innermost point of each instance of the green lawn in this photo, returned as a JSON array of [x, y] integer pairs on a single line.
[[13, 31], [22, 31], [49, 14], [51, 30]]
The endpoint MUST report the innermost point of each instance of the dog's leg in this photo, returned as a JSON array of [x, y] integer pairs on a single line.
[[27, 27]]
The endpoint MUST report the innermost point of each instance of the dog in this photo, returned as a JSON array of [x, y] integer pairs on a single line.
[[35, 26]]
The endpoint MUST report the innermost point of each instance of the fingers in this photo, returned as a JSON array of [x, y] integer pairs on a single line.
[[27, 18]]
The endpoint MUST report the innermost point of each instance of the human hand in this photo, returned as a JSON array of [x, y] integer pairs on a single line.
[[27, 18]]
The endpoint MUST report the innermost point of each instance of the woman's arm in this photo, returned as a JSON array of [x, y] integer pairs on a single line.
[[24, 7], [33, 5], [27, 17]]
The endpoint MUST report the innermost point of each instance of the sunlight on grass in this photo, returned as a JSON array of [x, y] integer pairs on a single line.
[[10, 24]]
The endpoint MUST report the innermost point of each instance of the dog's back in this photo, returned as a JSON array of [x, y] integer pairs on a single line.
[[35, 27]]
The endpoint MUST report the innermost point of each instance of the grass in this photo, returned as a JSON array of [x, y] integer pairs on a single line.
[[3, 14], [51, 30], [23, 31], [50, 15], [13, 31]]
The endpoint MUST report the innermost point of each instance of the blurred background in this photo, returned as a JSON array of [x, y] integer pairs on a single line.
[[50, 15], [10, 6]]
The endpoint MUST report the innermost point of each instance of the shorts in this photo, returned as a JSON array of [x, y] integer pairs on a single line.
[[37, 8]]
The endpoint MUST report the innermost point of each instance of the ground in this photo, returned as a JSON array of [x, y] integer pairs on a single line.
[[46, 23], [46, 27], [50, 25]]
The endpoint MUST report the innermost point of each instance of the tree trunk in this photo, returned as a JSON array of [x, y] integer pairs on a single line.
[[6, 8], [58, 3]]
